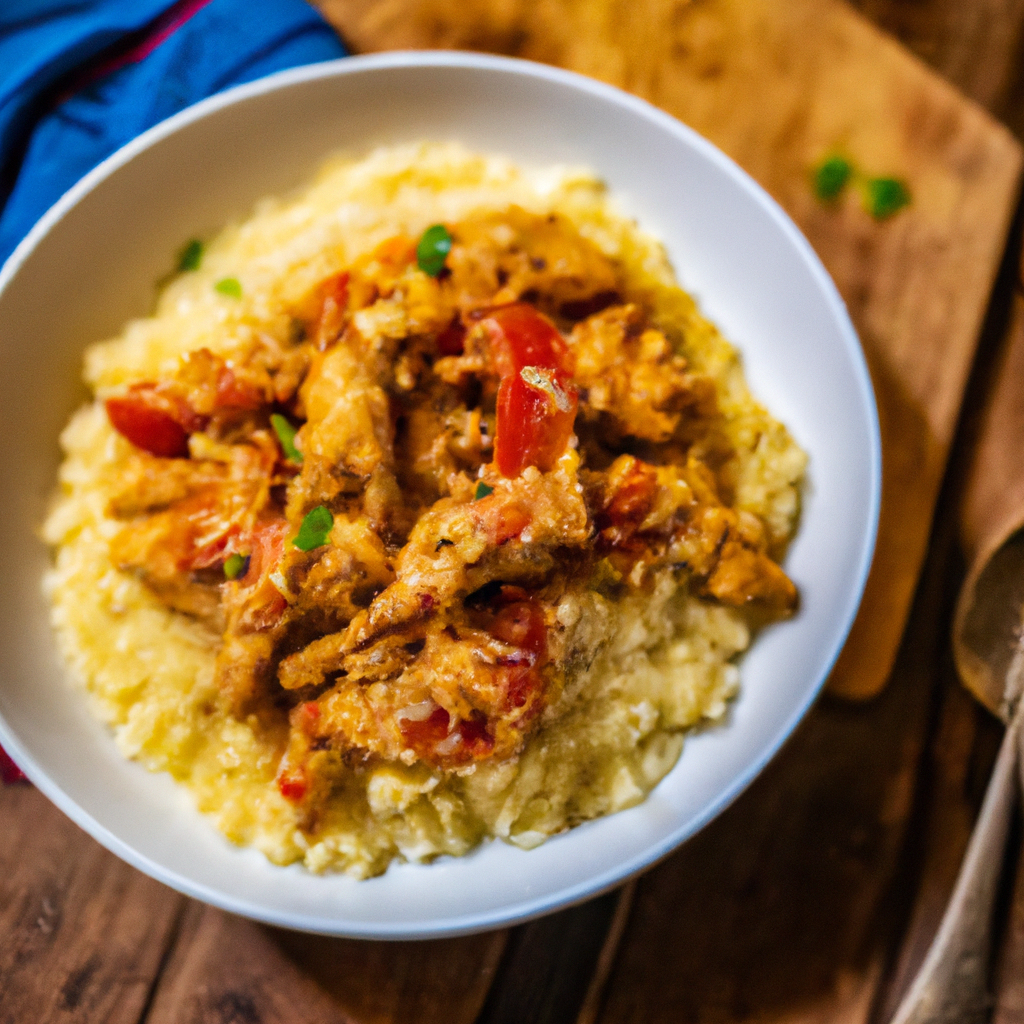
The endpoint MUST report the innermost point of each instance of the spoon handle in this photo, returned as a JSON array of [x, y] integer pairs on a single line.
[[951, 986]]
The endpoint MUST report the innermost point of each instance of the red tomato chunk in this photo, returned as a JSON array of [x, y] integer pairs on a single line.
[[520, 337], [154, 421], [536, 413]]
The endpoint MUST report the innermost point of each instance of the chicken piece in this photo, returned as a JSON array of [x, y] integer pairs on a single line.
[[672, 515], [147, 483], [498, 257], [348, 419], [460, 693], [631, 373], [198, 531], [458, 547]]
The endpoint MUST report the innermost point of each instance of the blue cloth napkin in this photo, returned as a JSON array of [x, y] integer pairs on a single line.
[[80, 78]]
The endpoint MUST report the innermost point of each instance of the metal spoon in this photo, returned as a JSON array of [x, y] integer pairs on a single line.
[[951, 986]]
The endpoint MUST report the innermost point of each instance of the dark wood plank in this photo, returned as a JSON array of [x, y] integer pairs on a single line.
[[550, 965], [82, 935], [227, 970], [440, 982], [951, 35]]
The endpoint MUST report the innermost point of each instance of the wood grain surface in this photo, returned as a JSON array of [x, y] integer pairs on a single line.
[[813, 897], [778, 84]]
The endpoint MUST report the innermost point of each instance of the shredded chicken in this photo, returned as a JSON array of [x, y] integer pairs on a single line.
[[420, 624]]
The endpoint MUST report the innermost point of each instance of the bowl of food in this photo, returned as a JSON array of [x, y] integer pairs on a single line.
[[475, 480]]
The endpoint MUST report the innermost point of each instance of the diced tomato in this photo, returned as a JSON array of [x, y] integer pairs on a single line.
[[536, 414], [520, 337], [520, 682], [452, 340], [308, 714], [212, 553], [423, 733], [477, 742], [522, 625], [292, 785], [472, 740], [334, 301], [500, 517], [629, 496], [153, 420], [632, 493], [234, 393], [266, 544]]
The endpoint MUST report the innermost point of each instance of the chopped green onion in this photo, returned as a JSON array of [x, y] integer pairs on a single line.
[[191, 256], [236, 565], [885, 196], [432, 250], [229, 286], [315, 529], [286, 435], [482, 490], [831, 177]]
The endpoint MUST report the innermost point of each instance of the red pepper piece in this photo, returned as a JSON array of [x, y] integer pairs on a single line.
[[536, 413], [153, 420], [520, 337]]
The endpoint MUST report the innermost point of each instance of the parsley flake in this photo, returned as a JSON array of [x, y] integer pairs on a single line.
[[432, 249], [831, 177], [286, 435], [886, 196], [482, 490], [229, 286], [315, 529], [236, 565], [191, 256]]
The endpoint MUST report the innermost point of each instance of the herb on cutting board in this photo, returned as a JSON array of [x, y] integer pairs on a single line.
[[881, 197]]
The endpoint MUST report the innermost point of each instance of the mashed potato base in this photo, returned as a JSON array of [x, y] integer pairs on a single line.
[[658, 664]]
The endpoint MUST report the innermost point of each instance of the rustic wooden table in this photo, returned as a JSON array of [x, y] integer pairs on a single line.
[[815, 895]]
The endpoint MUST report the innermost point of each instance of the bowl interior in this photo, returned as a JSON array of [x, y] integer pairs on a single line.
[[92, 263]]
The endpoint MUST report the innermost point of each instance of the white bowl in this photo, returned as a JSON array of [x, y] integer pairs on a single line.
[[90, 264]]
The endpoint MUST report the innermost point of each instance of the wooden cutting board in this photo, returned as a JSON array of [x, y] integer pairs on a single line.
[[778, 84]]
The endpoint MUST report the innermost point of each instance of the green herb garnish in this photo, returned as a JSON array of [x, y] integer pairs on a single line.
[[885, 196], [831, 177], [236, 565], [191, 256], [432, 250], [286, 435], [229, 286], [482, 490], [315, 529]]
